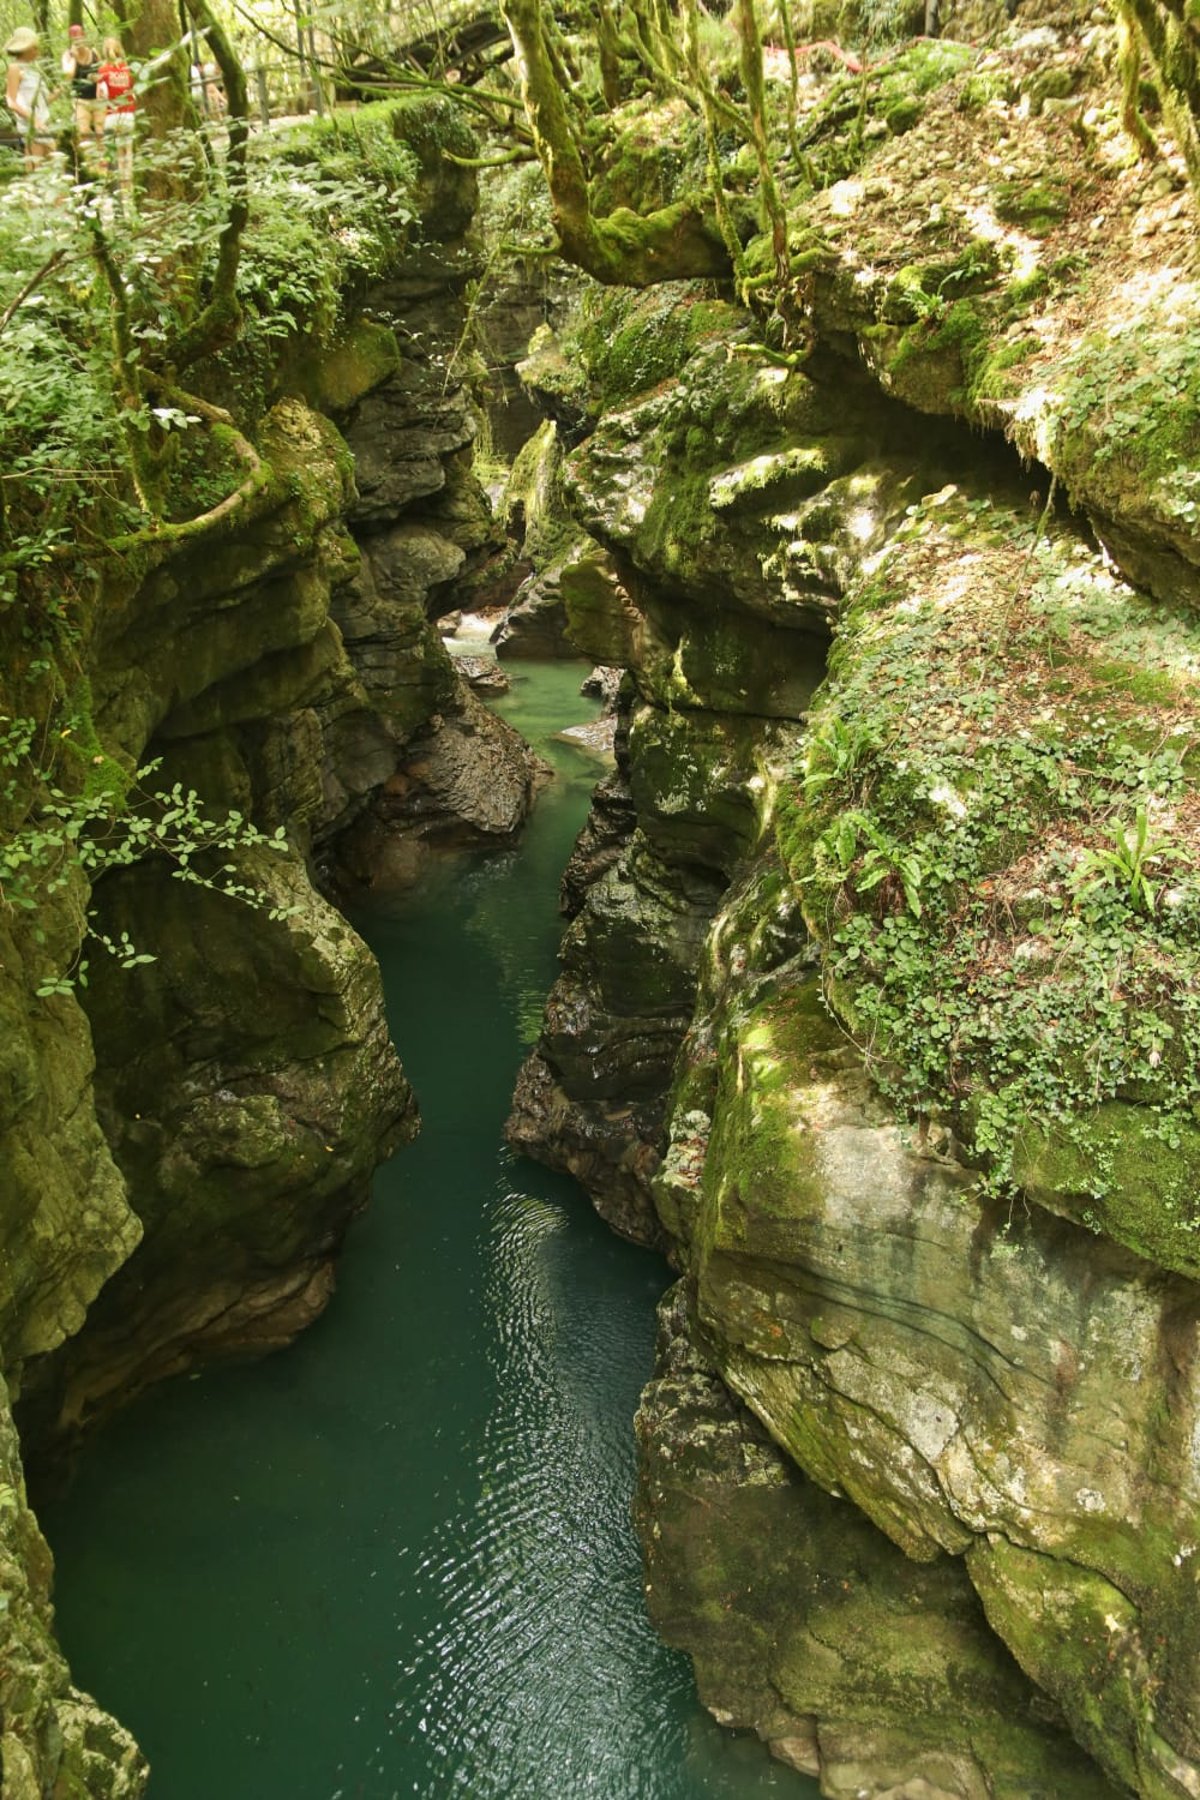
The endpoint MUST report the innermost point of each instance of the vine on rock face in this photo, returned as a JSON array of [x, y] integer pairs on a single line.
[[110, 822]]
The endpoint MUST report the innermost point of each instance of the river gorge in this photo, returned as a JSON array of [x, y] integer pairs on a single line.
[[721, 1184], [428, 1579]]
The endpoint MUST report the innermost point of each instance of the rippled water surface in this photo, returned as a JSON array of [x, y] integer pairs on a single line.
[[397, 1559]]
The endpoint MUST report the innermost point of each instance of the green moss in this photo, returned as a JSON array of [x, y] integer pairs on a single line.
[[1056, 83], [334, 378], [689, 778], [1128, 418], [1125, 1171], [635, 341], [932, 363], [1027, 288], [1077, 1635], [991, 379], [984, 87], [1011, 1021], [902, 116], [534, 501], [1036, 206]]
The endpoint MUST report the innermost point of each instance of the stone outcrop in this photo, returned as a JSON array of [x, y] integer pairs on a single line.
[[53, 1738], [875, 1674]]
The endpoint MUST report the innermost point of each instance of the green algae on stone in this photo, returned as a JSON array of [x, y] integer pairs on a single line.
[[966, 1384], [361, 358], [1123, 1170], [1036, 206]]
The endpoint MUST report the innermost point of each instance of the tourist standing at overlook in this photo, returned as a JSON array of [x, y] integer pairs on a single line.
[[114, 85], [79, 65], [27, 95]]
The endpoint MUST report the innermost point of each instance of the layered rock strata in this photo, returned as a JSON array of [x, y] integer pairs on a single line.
[[929, 1137], [877, 1675], [186, 1137]]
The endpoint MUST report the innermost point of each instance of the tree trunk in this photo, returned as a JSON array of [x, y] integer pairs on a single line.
[[625, 249]]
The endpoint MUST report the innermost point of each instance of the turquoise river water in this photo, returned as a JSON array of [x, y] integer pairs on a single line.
[[397, 1559]]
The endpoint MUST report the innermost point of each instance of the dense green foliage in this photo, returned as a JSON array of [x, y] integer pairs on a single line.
[[996, 844], [107, 460]]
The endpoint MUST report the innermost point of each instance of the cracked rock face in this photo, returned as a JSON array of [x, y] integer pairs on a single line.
[[1007, 1390], [875, 1674]]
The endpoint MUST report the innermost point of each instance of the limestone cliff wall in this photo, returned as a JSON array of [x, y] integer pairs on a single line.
[[916, 1120], [184, 1140]]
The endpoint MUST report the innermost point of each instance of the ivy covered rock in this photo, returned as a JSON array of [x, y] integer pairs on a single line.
[[998, 860]]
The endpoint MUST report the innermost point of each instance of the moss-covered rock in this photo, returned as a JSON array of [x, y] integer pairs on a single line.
[[67, 1220], [53, 1738], [245, 1176], [972, 1380], [181, 1161], [361, 359], [806, 1624], [742, 491], [994, 188], [973, 858]]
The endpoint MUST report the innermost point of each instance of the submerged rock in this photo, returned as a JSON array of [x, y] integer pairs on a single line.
[[596, 738]]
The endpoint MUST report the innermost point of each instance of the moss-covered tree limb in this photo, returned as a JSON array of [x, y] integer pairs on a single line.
[[163, 106], [258, 473], [126, 365], [625, 248], [1174, 51], [395, 75], [755, 86], [219, 321], [789, 44], [716, 181], [610, 46], [655, 51], [1133, 120], [519, 153]]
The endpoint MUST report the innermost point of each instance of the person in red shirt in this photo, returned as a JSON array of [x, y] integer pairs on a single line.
[[114, 85]]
